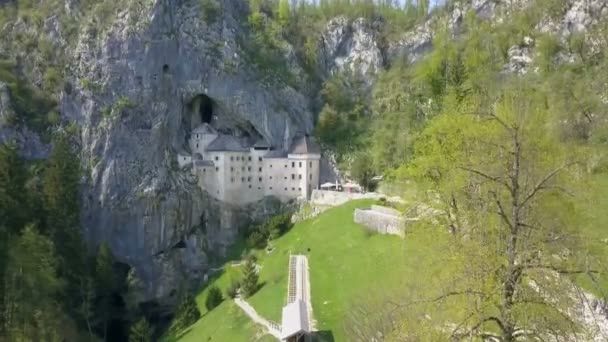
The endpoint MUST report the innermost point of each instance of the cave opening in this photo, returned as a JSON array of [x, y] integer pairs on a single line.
[[202, 108], [166, 69]]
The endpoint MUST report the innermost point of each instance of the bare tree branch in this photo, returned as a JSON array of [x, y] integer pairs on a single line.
[[484, 175], [541, 184]]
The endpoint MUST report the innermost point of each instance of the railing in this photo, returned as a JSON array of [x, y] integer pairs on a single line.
[[292, 285], [275, 326]]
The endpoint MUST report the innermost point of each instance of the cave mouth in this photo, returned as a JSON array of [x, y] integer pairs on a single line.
[[202, 109]]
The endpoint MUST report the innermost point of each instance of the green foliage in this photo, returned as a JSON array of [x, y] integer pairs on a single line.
[[141, 331], [187, 313], [548, 46], [52, 79], [89, 85], [361, 170], [214, 298], [30, 104], [233, 289], [249, 283], [209, 10], [32, 288], [270, 229]]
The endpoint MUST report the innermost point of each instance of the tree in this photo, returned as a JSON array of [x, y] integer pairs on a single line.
[[104, 276], [502, 179], [362, 170], [141, 331], [249, 284], [187, 313], [214, 298], [61, 184], [32, 312]]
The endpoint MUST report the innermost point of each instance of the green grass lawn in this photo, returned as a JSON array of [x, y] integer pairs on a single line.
[[346, 263]]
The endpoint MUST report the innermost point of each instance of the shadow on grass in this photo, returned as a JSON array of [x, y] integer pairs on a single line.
[[323, 336]]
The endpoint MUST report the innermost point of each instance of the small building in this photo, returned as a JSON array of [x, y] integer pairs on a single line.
[[233, 170], [294, 324]]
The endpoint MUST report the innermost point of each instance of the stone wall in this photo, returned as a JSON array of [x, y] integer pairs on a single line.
[[383, 220], [327, 198]]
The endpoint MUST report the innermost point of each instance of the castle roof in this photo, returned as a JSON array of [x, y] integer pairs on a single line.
[[226, 143], [204, 129], [261, 143], [305, 145], [202, 163], [276, 154]]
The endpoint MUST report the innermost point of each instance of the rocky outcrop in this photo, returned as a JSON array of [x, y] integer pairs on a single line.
[[351, 46], [132, 92]]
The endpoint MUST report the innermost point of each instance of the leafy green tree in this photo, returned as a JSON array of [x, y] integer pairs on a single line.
[[233, 288], [249, 284], [503, 182], [214, 298], [362, 171], [14, 212], [141, 331], [32, 311], [187, 314]]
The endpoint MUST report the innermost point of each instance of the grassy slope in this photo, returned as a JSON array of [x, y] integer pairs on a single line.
[[346, 262]]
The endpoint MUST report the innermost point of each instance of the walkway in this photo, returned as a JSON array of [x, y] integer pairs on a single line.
[[273, 328]]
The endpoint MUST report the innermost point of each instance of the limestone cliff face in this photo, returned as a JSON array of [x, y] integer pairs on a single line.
[[135, 84], [133, 91]]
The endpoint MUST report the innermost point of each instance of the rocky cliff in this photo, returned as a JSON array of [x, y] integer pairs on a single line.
[[135, 82]]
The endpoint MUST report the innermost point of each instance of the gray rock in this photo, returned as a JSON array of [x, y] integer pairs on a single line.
[[351, 47], [152, 214]]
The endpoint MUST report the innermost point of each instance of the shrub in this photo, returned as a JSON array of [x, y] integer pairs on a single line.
[[233, 289], [214, 298], [256, 239], [250, 279], [187, 314], [209, 10]]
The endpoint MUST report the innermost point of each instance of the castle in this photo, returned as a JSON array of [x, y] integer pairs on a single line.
[[236, 171]]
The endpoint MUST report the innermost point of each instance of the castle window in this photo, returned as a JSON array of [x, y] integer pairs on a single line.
[[197, 136], [196, 145], [231, 169], [285, 189], [293, 164], [293, 189], [217, 169], [217, 158], [249, 179], [309, 164], [238, 158], [285, 177], [259, 188], [260, 158], [232, 180], [248, 168], [204, 170], [249, 158], [249, 186], [299, 189], [242, 168], [270, 188], [299, 176], [293, 176], [270, 177], [243, 179], [231, 158], [310, 176], [270, 165], [285, 165], [260, 169], [299, 164], [260, 179]]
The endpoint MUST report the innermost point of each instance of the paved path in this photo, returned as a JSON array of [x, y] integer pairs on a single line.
[[273, 328]]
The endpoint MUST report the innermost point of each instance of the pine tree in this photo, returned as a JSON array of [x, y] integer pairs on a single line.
[[141, 331], [214, 298], [187, 314], [250, 279], [32, 286], [105, 283]]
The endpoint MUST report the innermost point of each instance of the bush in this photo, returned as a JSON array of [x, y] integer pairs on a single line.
[[256, 239], [233, 289], [214, 298], [250, 279], [187, 314], [209, 10]]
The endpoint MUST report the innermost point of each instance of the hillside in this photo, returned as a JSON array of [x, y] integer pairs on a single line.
[[347, 264]]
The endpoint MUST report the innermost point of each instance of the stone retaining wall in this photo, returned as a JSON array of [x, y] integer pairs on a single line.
[[380, 222], [335, 198]]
